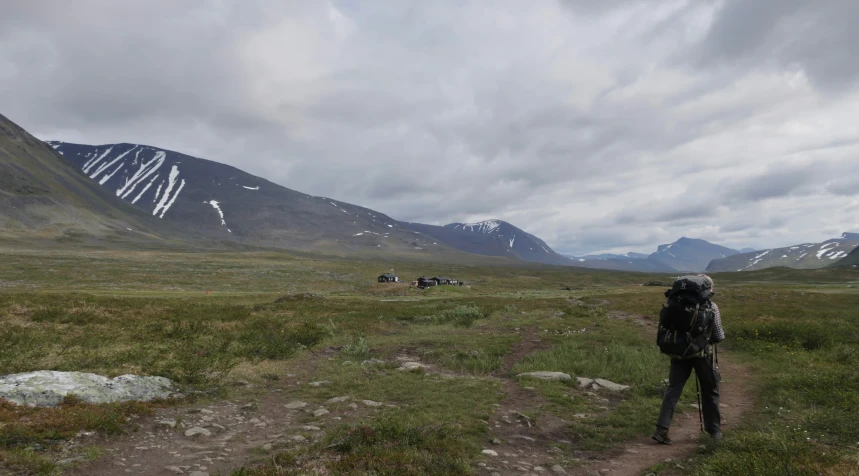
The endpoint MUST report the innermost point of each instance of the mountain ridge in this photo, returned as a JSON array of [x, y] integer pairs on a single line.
[[228, 203], [801, 256]]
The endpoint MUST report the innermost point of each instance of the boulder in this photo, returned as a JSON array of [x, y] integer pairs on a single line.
[[557, 376], [584, 382], [47, 388], [609, 385]]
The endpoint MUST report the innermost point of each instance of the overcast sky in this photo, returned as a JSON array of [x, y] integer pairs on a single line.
[[597, 126]]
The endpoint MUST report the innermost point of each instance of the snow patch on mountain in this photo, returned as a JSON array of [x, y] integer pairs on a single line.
[[485, 227]]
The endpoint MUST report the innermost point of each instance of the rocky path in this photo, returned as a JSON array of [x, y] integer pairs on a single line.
[[218, 438]]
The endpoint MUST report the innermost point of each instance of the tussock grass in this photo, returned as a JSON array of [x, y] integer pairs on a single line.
[[21, 426]]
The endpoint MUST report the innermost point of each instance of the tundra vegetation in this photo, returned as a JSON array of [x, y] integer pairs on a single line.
[[233, 326]]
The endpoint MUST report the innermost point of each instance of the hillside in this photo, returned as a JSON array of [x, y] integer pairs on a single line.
[[493, 238], [221, 202], [42, 196], [626, 264], [803, 256]]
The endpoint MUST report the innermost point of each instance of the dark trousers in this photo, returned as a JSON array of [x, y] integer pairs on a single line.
[[709, 378]]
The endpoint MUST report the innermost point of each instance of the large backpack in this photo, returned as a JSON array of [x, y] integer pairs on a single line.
[[686, 319]]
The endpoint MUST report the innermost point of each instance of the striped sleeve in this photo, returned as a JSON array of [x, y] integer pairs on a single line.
[[718, 331]]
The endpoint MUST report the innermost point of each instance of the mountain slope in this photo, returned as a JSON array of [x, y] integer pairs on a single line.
[[804, 256], [851, 260], [493, 238], [626, 264], [42, 196], [690, 254], [218, 200]]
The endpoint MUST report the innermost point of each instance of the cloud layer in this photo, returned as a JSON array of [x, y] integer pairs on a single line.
[[598, 126]]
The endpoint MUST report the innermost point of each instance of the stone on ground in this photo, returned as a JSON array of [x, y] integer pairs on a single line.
[[167, 423], [412, 366], [609, 385], [371, 403], [584, 382], [558, 469], [490, 452], [559, 376], [319, 412], [331, 401], [295, 405], [197, 431], [46, 388], [320, 383]]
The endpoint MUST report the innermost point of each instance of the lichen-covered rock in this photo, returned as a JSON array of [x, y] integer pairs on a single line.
[[46, 388]]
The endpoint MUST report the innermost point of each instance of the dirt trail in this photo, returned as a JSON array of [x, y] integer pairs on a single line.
[[523, 437], [526, 439], [637, 455]]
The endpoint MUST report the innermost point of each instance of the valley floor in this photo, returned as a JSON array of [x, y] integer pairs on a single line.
[[296, 365]]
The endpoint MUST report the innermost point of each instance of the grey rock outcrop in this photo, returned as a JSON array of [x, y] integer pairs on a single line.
[[47, 388]]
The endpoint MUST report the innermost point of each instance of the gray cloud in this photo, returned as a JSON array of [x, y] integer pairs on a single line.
[[812, 35], [598, 126]]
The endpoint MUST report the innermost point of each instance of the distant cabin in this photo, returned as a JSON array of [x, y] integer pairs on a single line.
[[442, 281], [389, 278], [424, 282]]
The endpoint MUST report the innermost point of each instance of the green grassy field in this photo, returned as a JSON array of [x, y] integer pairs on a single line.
[[267, 315]]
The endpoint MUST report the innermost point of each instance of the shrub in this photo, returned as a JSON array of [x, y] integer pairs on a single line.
[[463, 316], [357, 347]]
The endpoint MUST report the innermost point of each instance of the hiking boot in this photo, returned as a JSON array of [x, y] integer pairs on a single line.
[[716, 436], [661, 435]]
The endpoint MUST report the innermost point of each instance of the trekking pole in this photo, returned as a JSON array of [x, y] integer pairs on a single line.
[[700, 410]]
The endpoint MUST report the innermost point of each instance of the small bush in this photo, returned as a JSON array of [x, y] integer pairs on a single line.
[[462, 316], [357, 348]]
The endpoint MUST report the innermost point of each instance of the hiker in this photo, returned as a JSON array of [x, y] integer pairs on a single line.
[[689, 327]]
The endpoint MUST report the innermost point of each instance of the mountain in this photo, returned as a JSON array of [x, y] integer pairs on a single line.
[[690, 254], [851, 260], [220, 201], [804, 256], [223, 202], [747, 250], [684, 255], [493, 238], [625, 257], [44, 197], [643, 265]]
